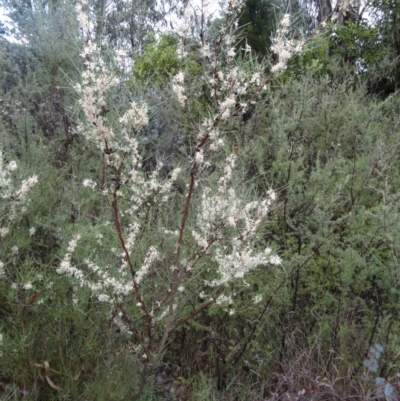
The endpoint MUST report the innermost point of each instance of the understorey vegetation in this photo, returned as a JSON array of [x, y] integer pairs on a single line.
[[199, 204]]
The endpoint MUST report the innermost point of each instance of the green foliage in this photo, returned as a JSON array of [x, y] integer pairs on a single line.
[[321, 142], [258, 21], [159, 62], [355, 45], [320, 137], [370, 51]]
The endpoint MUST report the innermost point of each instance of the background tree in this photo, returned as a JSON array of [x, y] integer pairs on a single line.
[[126, 24], [258, 20]]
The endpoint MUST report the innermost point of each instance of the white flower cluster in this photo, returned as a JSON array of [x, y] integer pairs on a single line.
[[108, 287], [105, 284], [135, 117], [282, 46], [146, 188], [95, 84], [82, 16], [224, 299], [164, 313], [26, 186], [6, 187], [232, 84], [87, 182], [184, 29], [238, 261], [28, 286], [151, 256], [15, 197], [141, 190], [96, 81], [178, 88], [225, 210]]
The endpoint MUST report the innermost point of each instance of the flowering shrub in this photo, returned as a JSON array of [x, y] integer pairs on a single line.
[[216, 240]]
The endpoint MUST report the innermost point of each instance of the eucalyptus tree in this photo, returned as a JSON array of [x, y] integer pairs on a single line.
[[126, 23], [386, 18]]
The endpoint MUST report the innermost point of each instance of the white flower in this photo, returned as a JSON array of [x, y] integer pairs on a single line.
[[27, 185], [136, 117], [27, 286], [278, 67], [12, 166], [103, 298], [275, 260], [226, 106], [151, 256], [231, 52], [14, 250], [285, 20], [4, 231], [179, 77], [231, 221], [205, 50], [72, 243], [89, 183], [32, 231], [64, 267], [234, 4], [257, 299], [272, 194], [283, 47], [223, 298], [178, 88], [247, 48]]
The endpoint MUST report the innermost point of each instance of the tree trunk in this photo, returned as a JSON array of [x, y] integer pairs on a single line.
[[325, 9]]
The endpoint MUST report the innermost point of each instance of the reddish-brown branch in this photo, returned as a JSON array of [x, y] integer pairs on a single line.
[[185, 216], [179, 280], [192, 315], [129, 261]]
